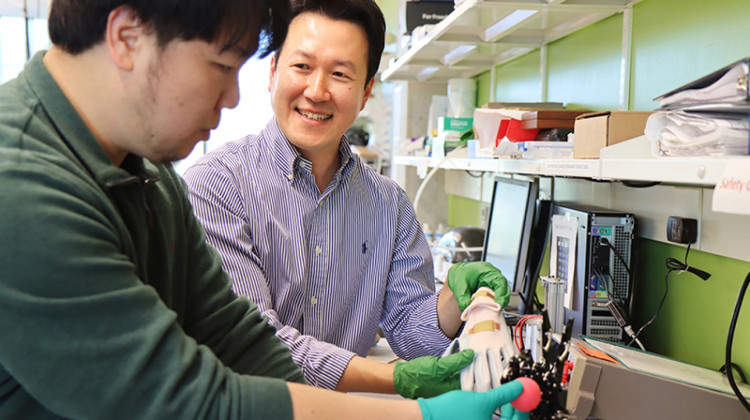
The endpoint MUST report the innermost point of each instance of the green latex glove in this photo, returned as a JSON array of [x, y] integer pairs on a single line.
[[464, 278], [469, 405], [429, 376]]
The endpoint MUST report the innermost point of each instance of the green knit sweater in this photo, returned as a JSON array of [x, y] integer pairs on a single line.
[[111, 303]]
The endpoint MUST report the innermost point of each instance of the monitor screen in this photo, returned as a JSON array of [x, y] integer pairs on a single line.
[[509, 229]]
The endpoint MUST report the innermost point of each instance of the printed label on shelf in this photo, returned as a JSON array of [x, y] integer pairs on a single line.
[[732, 191]]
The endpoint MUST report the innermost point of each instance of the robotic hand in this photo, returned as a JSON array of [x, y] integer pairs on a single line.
[[489, 336]]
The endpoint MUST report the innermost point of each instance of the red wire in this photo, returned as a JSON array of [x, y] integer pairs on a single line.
[[519, 326], [518, 333]]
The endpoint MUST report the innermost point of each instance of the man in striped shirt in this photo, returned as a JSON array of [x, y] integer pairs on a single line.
[[329, 249]]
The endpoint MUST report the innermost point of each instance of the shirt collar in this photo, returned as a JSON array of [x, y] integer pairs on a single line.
[[75, 133], [287, 158]]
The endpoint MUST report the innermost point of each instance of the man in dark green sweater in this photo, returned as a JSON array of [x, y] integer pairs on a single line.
[[111, 303]]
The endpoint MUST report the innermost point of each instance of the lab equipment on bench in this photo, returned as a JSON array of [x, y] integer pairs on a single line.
[[614, 382], [591, 251], [487, 333], [497, 359]]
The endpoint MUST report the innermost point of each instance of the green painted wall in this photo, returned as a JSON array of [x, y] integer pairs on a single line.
[[464, 211], [483, 88], [518, 81], [674, 42], [694, 320], [584, 74]]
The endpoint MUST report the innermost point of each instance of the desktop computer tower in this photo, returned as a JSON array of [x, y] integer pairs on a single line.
[[601, 256]]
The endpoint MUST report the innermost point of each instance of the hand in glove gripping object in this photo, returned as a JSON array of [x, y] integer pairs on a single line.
[[429, 376], [489, 336], [474, 405], [465, 278]]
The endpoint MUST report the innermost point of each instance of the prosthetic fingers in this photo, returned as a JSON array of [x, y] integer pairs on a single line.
[[487, 333]]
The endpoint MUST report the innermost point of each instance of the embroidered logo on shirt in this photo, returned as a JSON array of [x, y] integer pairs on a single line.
[[364, 247]]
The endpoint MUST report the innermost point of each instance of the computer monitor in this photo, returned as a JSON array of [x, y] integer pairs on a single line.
[[509, 237]]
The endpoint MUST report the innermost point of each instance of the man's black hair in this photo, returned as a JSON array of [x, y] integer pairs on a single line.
[[363, 13], [77, 25]]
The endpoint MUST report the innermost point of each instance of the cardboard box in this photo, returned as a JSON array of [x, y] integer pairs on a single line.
[[530, 106], [425, 12], [596, 130], [543, 119]]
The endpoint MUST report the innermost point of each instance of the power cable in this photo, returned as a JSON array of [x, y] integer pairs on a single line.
[[429, 176], [672, 265], [730, 338]]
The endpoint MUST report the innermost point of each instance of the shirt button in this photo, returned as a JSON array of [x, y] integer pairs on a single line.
[[290, 177], [318, 250], [313, 301]]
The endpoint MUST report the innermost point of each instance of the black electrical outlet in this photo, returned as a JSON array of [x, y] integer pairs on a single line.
[[682, 230]]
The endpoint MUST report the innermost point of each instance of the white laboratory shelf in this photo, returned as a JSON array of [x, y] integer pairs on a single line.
[[627, 161], [577, 168], [479, 34], [581, 168], [460, 163], [669, 170], [632, 160]]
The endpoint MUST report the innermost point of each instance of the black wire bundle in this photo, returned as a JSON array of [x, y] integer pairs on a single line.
[[730, 338], [672, 265], [676, 265]]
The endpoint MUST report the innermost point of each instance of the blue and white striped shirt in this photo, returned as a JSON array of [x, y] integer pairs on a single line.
[[326, 268]]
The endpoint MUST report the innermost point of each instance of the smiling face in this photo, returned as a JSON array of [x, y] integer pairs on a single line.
[[318, 82]]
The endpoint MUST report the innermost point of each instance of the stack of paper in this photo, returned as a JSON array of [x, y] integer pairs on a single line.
[[706, 117]]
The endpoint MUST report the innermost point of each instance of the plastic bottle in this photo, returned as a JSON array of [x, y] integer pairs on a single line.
[[439, 232]]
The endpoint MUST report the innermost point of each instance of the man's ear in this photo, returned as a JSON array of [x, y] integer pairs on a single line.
[[368, 92], [124, 28]]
